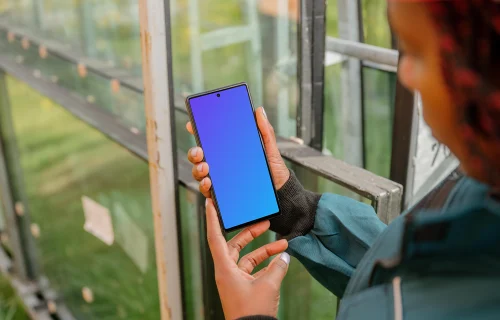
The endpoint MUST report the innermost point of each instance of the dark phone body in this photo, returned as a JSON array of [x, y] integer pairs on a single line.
[[198, 142]]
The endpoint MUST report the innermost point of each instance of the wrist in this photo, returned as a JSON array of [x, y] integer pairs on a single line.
[[297, 207]]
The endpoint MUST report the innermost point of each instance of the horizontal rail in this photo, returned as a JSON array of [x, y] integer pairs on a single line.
[[63, 52], [363, 51], [226, 36]]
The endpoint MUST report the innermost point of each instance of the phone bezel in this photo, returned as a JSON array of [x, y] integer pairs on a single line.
[[198, 142]]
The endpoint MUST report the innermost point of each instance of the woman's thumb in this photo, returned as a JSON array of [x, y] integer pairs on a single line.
[[277, 269]]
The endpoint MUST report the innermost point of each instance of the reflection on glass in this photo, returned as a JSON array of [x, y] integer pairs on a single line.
[[379, 92], [104, 30], [217, 43], [110, 95], [90, 200]]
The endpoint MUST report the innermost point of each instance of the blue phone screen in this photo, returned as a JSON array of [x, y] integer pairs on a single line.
[[230, 140]]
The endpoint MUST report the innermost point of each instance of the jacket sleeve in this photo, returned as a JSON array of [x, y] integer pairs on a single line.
[[328, 234]]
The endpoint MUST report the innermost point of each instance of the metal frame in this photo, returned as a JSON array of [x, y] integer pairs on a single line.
[[290, 150], [162, 152], [312, 25], [19, 262], [352, 85], [13, 192], [404, 136], [362, 51]]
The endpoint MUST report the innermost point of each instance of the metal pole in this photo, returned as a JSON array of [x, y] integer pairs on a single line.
[[404, 139], [282, 53], [305, 75], [10, 218], [363, 51], [311, 76], [197, 77], [159, 104], [318, 73], [352, 85], [212, 304], [12, 186]]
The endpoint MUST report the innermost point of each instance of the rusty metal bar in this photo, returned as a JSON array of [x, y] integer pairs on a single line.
[[162, 153]]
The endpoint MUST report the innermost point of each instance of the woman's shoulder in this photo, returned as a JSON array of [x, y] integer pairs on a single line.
[[467, 223]]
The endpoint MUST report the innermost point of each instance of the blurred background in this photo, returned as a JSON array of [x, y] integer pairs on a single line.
[[72, 128]]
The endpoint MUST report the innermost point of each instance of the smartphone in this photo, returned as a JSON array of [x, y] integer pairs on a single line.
[[225, 127]]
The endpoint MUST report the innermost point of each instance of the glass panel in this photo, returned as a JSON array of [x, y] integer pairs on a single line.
[[379, 93], [191, 254], [332, 132], [104, 30], [111, 96], [90, 200], [217, 43], [375, 24]]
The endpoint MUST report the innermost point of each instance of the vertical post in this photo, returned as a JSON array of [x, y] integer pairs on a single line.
[[12, 192], [211, 300], [282, 52], [312, 35], [255, 54], [318, 73], [404, 139], [352, 85], [10, 218], [197, 77], [160, 126]]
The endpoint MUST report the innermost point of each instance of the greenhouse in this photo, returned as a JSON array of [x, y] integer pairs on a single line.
[[100, 217]]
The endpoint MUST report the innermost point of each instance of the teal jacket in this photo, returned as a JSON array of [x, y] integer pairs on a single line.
[[441, 263]]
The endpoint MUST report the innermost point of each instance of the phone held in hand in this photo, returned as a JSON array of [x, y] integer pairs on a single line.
[[225, 127]]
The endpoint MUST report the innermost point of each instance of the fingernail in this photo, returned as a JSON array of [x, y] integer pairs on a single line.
[[264, 113], [206, 202], [285, 257], [194, 152], [203, 182], [199, 168]]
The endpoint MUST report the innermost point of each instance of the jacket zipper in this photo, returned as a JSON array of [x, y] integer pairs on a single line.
[[398, 300]]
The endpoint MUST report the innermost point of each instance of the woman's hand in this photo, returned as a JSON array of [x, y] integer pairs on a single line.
[[243, 294], [278, 168]]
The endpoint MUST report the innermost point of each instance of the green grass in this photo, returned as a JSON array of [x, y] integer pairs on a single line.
[[10, 307], [63, 159]]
